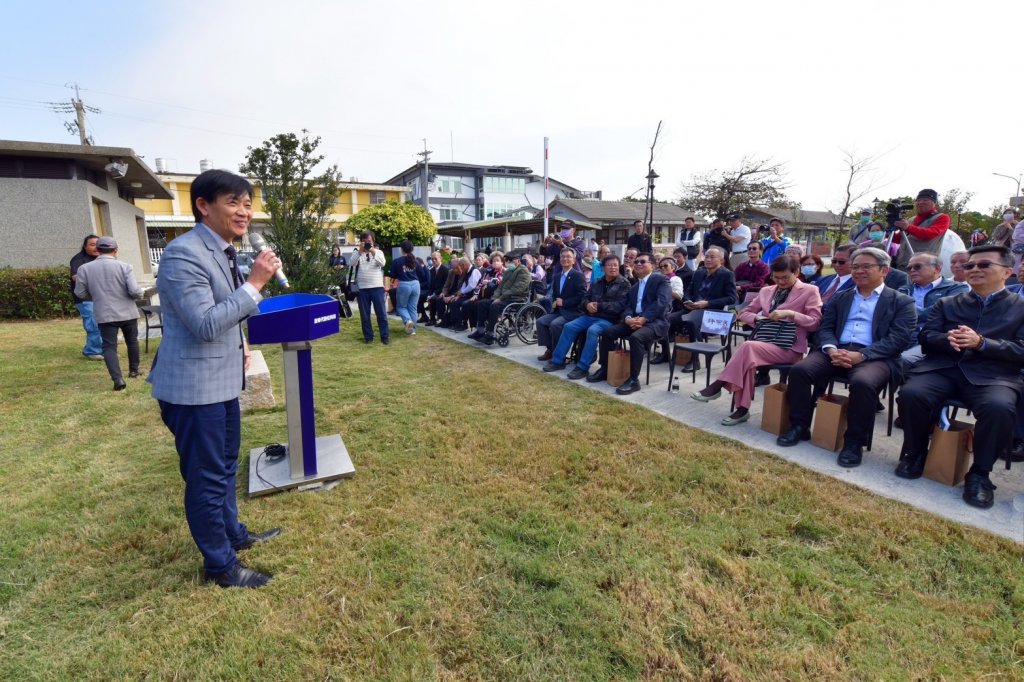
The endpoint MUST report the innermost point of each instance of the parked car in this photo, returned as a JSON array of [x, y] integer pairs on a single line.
[[245, 260]]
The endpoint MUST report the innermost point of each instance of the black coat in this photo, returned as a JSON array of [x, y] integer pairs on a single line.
[[575, 290], [656, 303], [1001, 323], [891, 327], [610, 298], [721, 288]]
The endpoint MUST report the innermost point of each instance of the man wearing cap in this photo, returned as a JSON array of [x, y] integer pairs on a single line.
[[859, 230], [554, 244], [93, 348], [739, 238], [716, 236], [639, 240], [111, 286], [199, 370], [925, 233]]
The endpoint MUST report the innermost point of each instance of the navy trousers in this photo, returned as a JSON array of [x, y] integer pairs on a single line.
[[376, 298], [207, 438]]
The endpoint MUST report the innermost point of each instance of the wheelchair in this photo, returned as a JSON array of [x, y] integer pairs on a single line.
[[520, 319]]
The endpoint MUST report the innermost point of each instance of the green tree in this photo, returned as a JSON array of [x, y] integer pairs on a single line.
[[298, 203], [754, 183], [393, 222]]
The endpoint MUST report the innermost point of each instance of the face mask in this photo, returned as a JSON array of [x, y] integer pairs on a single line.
[[876, 236], [1007, 216], [510, 266], [865, 218], [566, 234], [808, 270]]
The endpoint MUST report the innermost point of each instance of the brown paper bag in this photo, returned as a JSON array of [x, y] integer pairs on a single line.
[[683, 356], [830, 422], [618, 367], [775, 413], [949, 455]]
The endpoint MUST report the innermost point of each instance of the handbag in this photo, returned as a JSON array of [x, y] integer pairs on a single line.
[[352, 286], [782, 333]]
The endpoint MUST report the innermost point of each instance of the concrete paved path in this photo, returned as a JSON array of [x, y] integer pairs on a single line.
[[1006, 518]]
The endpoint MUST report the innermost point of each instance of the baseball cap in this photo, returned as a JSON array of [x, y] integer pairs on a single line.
[[106, 244]]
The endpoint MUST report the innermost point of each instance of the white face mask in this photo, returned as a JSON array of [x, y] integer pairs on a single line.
[[1007, 216]]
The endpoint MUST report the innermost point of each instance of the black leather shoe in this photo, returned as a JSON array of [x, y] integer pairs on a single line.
[[762, 379], [553, 367], [256, 538], [476, 335], [1016, 453], [576, 373], [239, 576], [978, 491], [793, 436], [487, 340], [879, 407], [429, 323], [911, 466], [659, 360], [600, 375], [898, 422], [850, 457], [545, 357], [631, 386], [134, 375], [119, 385]]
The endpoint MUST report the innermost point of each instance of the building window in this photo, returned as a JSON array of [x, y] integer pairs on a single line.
[[621, 236], [504, 185], [449, 213], [498, 210], [448, 185], [100, 211], [377, 197]]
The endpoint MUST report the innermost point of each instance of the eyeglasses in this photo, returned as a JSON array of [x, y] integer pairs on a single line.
[[641, 261], [864, 266], [983, 264], [839, 262], [667, 266], [914, 267]]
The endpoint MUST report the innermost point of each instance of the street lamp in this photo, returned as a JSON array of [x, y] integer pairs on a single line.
[[651, 177], [1016, 197]]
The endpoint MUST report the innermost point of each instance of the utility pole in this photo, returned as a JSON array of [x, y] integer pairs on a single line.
[[79, 108], [426, 174]]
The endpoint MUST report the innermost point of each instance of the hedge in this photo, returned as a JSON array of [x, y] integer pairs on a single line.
[[36, 293]]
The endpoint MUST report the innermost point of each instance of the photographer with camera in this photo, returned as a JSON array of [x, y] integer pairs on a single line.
[[776, 242], [716, 236], [369, 270], [739, 238], [924, 234]]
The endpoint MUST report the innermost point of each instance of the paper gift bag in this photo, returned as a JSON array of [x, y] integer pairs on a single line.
[[775, 413], [683, 356], [830, 422], [618, 367], [949, 455]]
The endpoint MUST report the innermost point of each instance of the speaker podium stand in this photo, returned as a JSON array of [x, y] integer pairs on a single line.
[[295, 321]]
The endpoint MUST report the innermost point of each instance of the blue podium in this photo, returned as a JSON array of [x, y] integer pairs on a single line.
[[295, 321]]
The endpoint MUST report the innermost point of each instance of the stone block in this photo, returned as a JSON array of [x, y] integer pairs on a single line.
[[258, 393]]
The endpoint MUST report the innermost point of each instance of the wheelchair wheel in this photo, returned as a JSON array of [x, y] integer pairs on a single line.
[[502, 339], [526, 322]]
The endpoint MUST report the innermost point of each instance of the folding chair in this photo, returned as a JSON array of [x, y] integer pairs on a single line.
[[151, 311], [714, 323]]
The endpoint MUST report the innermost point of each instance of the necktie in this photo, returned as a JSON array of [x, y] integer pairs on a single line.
[[640, 295], [236, 277], [831, 290]]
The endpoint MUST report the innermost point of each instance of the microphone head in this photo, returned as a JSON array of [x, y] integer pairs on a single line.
[[257, 241]]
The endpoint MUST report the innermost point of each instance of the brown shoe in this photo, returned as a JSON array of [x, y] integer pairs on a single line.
[[545, 357]]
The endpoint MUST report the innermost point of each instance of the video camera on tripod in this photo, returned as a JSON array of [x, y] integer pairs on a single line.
[[894, 212]]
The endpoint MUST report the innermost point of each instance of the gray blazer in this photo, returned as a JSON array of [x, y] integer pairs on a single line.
[[111, 286], [200, 359]]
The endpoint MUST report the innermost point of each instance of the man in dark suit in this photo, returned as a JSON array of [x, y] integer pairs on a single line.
[[713, 287], [863, 331], [973, 347], [200, 367], [568, 288], [435, 296], [831, 285], [649, 301]]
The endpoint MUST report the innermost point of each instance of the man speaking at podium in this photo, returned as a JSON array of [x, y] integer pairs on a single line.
[[199, 371]]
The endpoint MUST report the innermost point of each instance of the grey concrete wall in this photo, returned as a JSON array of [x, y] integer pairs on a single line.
[[43, 222]]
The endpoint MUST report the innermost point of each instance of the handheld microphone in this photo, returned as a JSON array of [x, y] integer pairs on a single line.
[[260, 244]]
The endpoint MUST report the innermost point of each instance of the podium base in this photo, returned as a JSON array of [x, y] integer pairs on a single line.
[[332, 462]]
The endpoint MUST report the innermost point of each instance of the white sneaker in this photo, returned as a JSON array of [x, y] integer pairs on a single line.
[[412, 333], [410, 327]]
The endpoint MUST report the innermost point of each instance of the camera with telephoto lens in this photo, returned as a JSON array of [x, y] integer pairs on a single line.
[[894, 212], [367, 246], [763, 229]]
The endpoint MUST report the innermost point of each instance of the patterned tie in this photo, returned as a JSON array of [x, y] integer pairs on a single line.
[[830, 291], [236, 277]]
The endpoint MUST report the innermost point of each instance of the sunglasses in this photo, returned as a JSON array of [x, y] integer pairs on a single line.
[[839, 262], [641, 261], [983, 264], [915, 267]]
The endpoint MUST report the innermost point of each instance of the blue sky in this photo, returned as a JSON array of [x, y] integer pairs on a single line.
[[932, 85]]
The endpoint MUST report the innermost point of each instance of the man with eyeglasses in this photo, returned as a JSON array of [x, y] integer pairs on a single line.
[[713, 287], [648, 303], [973, 347], [863, 331], [831, 285], [929, 286]]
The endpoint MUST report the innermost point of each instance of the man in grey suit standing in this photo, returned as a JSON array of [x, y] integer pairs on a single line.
[[200, 367]]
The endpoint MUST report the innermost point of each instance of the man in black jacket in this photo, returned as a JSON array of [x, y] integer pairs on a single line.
[[973, 345], [713, 287], [863, 331], [603, 306], [645, 322], [438, 281], [639, 240], [568, 288]]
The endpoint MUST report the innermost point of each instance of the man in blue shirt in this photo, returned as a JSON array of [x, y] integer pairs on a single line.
[[776, 243]]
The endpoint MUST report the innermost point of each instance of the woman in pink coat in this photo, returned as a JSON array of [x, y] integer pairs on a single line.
[[788, 301]]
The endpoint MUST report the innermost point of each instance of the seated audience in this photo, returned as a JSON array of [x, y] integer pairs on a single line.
[[480, 302], [567, 291], [602, 307], [627, 265], [751, 273], [973, 347], [441, 281], [956, 266], [789, 302], [649, 301], [683, 270], [928, 287], [514, 287], [603, 251], [713, 287], [842, 280], [863, 331], [470, 281], [810, 269]]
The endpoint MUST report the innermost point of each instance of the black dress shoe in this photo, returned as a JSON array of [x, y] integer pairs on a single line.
[[762, 379], [545, 357], [600, 375], [386, 342], [553, 367], [429, 323], [1016, 453], [631, 386], [850, 456], [476, 335], [487, 340], [793, 436], [239, 576], [978, 491], [119, 385], [256, 538], [134, 375], [576, 373], [911, 466], [659, 360], [898, 422]]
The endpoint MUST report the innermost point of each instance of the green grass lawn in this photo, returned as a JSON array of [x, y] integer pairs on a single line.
[[501, 525]]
